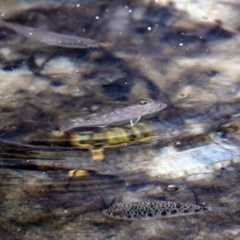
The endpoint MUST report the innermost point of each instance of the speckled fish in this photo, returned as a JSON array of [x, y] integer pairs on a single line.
[[151, 209], [131, 113], [99, 139], [52, 38]]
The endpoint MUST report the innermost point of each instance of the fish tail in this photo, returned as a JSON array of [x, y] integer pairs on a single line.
[[63, 126]]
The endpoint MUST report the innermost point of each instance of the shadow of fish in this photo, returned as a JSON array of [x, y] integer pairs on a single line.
[[131, 113], [52, 38], [151, 209]]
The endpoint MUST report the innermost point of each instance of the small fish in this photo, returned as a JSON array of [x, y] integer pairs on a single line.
[[132, 113], [52, 38], [99, 139], [151, 209]]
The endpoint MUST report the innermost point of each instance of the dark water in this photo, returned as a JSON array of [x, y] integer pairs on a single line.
[[189, 152]]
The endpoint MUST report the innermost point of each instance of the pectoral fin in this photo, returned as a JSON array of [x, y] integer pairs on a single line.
[[97, 154], [102, 126], [135, 120]]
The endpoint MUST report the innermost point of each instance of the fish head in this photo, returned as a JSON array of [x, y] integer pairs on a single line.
[[151, 106]]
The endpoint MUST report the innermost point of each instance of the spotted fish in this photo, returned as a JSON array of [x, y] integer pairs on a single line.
[[99, 139], [52, 38], [131, 113], [151, 209]]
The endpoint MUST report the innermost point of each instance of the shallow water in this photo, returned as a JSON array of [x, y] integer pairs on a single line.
[[187, 153]]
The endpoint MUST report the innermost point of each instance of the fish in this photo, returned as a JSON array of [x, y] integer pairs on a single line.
[[151, 210], [52, 38], [99, 139], [131, 113]]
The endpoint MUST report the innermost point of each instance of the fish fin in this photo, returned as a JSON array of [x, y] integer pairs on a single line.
[[63, 126], [102, 126], [135, 120], [67, 125], [97, 154]]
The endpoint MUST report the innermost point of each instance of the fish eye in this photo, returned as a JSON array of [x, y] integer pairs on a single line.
[[142, 102], [171, 188]]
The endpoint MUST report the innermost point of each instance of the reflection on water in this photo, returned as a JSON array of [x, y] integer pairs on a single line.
[[56, 186]]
